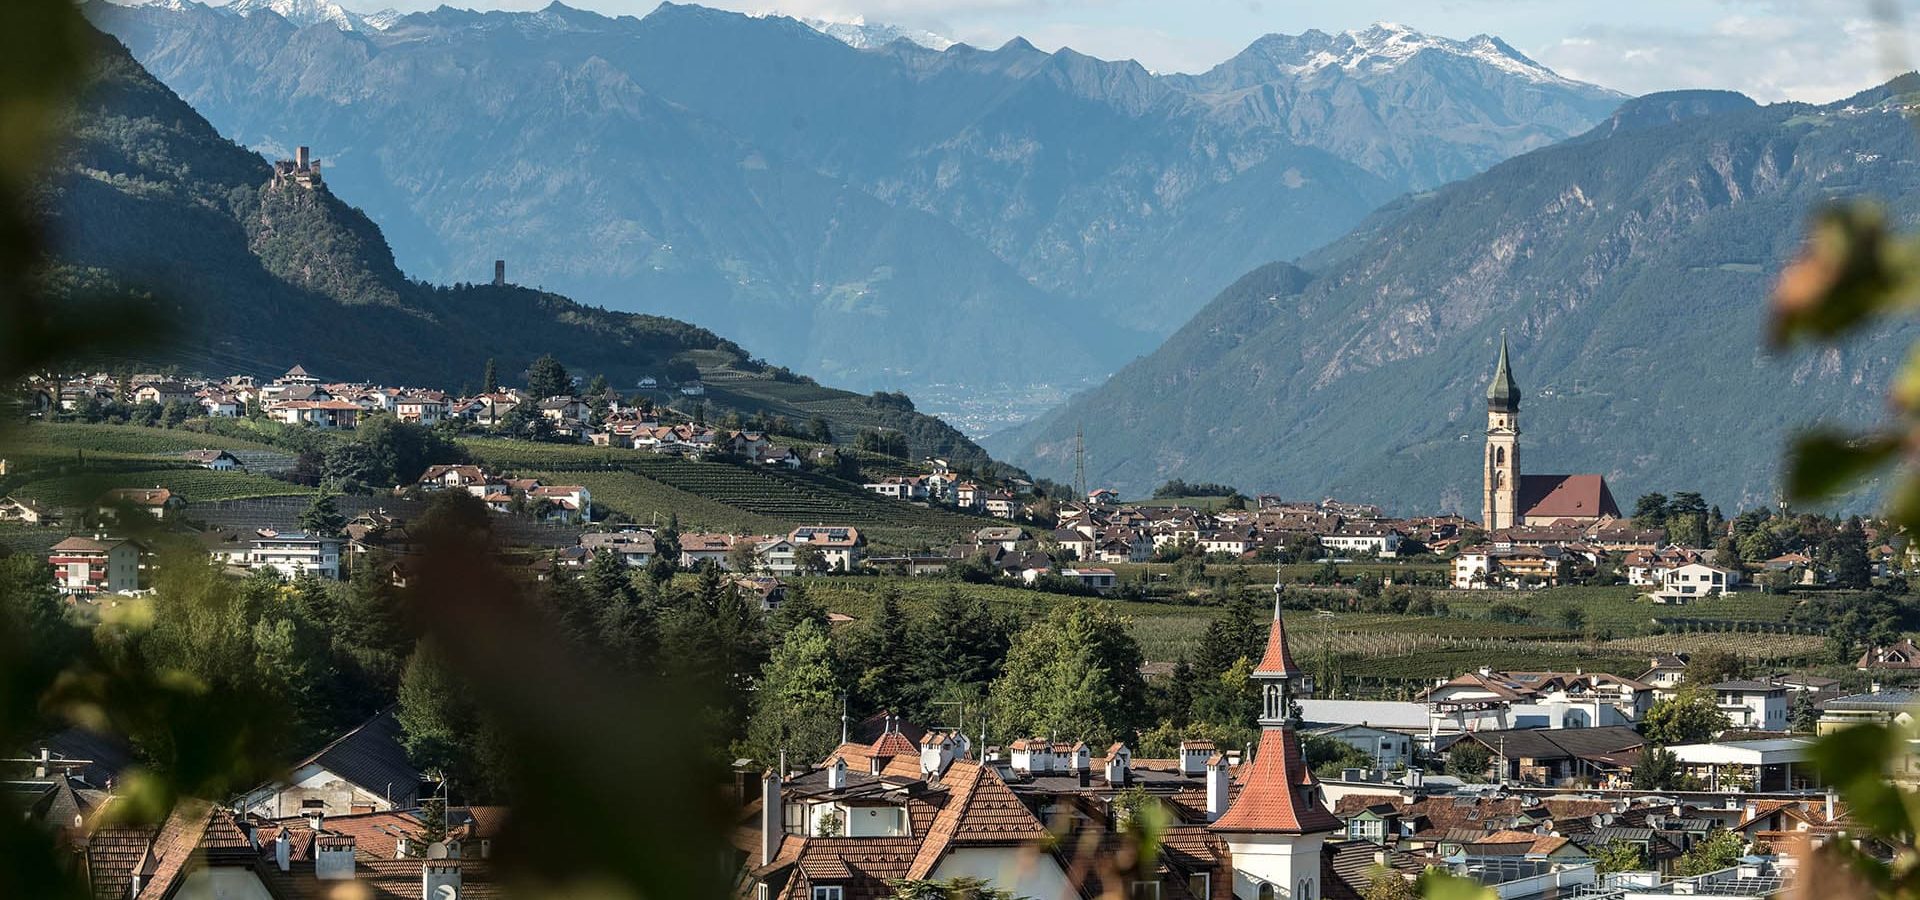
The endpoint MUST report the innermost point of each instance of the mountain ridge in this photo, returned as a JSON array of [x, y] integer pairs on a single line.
[[255, 273], [1628, 267], [1048, 215]]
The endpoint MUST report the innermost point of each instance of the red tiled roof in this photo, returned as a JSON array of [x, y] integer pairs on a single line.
[[1279, 795], [893, 743], [1566, 496]]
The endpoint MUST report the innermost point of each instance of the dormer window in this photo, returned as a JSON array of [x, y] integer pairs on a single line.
[[829, 892]]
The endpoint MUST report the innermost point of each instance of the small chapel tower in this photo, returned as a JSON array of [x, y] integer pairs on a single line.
[[1277, 823], [1500, 506]]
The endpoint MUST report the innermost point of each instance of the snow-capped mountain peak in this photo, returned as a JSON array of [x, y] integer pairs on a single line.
[[1385, 46], [856, 32], [312, 12]]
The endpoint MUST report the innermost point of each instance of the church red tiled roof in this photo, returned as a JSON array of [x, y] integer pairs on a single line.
[[1566, 496], [1279, 795]]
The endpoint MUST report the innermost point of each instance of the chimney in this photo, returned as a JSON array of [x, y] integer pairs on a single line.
[[283, 851], [316, 819], [837, 774], [499, 272], [772, 817], [1218, 787], [45, 765], [300, 157], [1119, 765], [333, 857], [440, 879], [1193, 757], [1830, 801], [936, 751]]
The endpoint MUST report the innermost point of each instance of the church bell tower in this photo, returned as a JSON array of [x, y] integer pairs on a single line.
[[1500, 505]]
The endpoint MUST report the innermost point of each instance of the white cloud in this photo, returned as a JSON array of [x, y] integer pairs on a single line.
[[1803, 53]]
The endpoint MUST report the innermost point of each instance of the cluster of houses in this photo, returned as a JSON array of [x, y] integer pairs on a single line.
[[561, 504], [299, 398], [1566, 550], [942, 484], [1104, 531], [1561, 730], [1036, 816]]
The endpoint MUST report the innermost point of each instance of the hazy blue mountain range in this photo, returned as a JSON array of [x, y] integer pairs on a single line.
[[150, 204], [1629, 267], [890, 216]]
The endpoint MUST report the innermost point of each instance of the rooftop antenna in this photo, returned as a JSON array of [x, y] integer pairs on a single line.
[[843, 717]]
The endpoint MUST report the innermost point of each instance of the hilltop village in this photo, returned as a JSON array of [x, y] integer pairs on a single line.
[[949, 619]]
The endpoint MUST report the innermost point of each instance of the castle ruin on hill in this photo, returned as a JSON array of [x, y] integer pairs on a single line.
[[302, 170]]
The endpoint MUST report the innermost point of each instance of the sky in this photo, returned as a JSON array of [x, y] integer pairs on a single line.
[[1811, 50]]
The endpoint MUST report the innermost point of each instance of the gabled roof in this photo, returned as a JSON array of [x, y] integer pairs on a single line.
[[1596, 743], [893, 743], [372, 757], [80, 544], [980, 811], [1566, 496], [1278, 795]]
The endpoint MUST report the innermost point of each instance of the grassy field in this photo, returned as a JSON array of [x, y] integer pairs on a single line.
[[726, 495]]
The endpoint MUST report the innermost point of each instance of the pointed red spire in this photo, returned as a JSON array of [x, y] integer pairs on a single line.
[[1277, 662]]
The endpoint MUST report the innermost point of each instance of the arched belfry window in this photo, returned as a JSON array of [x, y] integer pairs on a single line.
[[1500, 456], [1268, 893]]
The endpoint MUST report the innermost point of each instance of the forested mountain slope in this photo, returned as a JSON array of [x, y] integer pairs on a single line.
[[1629, 267], [885, 217], [254, 276]]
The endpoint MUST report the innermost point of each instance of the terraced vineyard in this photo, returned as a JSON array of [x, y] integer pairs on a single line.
[[194, 484], [1378, 654], [645, 500], [1164, 630], [28, 539], [646, 486], [62, 441], [64, 464], [1621, 609]]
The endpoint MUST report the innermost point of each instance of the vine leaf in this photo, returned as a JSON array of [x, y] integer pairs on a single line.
[[1823, 462], [1851, 269]]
